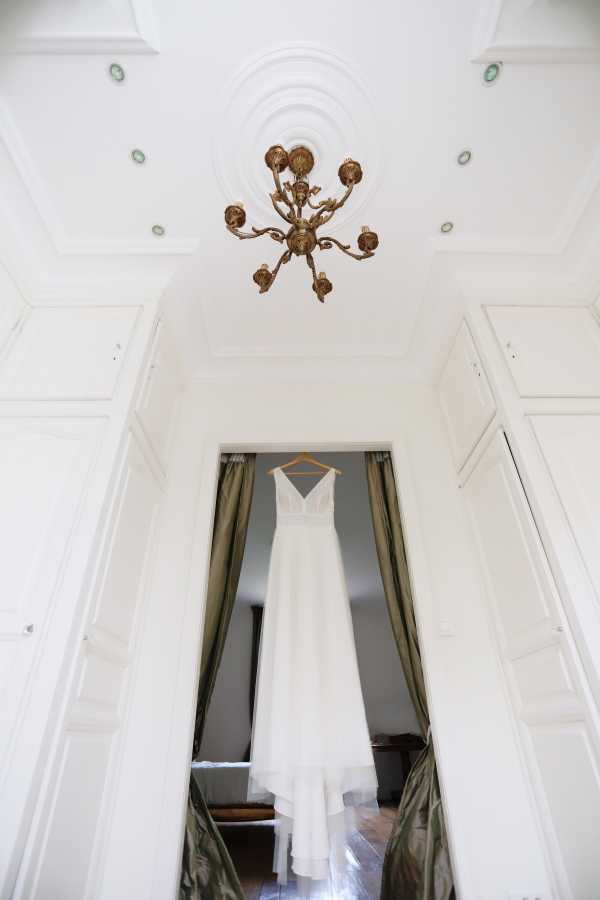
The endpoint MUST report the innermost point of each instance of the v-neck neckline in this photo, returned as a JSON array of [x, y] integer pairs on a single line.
[[313, 488]]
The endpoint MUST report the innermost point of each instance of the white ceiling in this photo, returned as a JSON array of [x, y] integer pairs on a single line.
[[210, 86]]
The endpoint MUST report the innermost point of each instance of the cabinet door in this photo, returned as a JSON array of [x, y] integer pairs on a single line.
[[158, 400], [44, 464], [465, 396], [68, 353], [551, 351], [571, 448], [549, 694], [76, 812]]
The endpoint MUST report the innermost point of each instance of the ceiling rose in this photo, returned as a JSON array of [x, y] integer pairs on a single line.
[[295, 94], [290, 201]]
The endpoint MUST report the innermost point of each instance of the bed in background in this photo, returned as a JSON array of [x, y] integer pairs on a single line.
[[224, 786]]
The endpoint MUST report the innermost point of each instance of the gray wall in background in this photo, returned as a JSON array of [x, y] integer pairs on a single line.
[[389, 708]]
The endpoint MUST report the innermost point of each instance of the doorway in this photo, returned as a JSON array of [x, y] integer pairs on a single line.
[[221, 766]]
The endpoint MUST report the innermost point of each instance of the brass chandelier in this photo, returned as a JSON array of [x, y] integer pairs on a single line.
[[290, 201]]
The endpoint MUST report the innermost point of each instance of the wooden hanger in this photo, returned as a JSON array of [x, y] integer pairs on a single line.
[[306, 458]]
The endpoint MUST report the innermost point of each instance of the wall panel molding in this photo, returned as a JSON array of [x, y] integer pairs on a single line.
[[62, 243]]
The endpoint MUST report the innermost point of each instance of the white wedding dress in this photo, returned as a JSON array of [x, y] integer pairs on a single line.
[[311, 750]]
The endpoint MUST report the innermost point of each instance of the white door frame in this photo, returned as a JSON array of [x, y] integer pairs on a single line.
[[179, 754]]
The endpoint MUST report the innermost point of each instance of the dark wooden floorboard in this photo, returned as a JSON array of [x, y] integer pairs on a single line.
[[251, 848]]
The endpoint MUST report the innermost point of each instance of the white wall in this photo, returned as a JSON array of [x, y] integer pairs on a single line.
[[387, 701], [227, 728], [480, 768]]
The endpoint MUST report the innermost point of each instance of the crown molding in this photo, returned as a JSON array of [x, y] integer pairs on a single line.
[[143, 38], [323, 371], [488, 46], [310, 351]]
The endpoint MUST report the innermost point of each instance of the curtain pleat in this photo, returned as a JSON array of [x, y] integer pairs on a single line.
[[417, 860], [207, 870]]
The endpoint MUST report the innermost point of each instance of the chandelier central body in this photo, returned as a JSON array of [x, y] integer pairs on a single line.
[[292, 201]]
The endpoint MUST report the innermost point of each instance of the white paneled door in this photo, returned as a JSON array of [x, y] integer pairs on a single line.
[[62, 856], [571, 447], [465, 395], [43, 464], [549, 694], [551, 351], [93, 342]]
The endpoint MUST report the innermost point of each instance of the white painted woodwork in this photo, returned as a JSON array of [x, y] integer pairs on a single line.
[[472, 727], [550, 351], [12, 308], [44, 464], [157, 404], [79, 802], [545, 680], [68, 353], [465, 396], [570, 445]]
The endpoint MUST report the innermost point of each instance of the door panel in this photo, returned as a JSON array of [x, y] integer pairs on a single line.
[[551, 351], [158, 401], [68, 353], [550, 698], [571, 447], [76, 810], [465, 396], [568, 772], [44, 464]]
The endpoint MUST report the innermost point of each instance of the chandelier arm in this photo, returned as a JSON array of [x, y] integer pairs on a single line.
[[321, 203], [289, 219], [282, 193], [337, 204], [311, 264], [325, 243], [276, 233], [283, 259]]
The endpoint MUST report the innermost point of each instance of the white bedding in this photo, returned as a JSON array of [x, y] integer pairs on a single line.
[[222, 783]]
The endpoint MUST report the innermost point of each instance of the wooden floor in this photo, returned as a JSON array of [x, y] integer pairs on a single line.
[[251, 848]]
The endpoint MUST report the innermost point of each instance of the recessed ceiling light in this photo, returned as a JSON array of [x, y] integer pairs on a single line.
[[158, 230], [446, 227], [138, 156], [116, 72], [492, 72], [464, 157]]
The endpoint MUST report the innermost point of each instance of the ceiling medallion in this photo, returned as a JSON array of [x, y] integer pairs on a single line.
[[290, 201]]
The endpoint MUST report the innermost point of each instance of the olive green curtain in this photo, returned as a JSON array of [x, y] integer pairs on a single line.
[[417, 860], [207, 872]]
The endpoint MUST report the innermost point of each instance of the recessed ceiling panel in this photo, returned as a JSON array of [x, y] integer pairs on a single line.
[[542, 29], [40, 26]]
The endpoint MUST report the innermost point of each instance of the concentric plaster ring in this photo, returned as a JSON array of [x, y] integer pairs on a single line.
[[295, 94]]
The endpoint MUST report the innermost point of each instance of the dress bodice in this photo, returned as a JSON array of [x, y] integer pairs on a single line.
[[314, 509]]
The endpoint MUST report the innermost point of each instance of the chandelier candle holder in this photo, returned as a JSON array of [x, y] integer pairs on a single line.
[[290, 201]]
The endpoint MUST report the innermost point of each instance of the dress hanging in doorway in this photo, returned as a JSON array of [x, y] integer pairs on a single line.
[[311, 750]]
